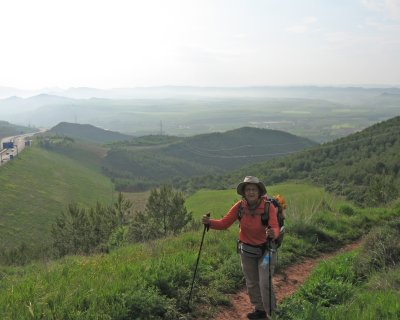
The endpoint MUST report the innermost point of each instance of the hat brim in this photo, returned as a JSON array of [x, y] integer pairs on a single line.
[[261, 187]]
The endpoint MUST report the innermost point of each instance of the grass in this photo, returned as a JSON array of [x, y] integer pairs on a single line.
[[36, 187], [138, 199], [351, 285], [152, 280], [88, 154]]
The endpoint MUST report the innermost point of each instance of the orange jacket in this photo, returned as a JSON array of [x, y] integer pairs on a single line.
[[252, 231]]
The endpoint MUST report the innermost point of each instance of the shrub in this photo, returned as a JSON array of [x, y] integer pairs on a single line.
[[165, 215], [81, 230], [381, 249], [347, 210]]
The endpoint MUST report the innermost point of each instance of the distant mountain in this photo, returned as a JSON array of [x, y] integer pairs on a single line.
[[6, 92], [136, 167], [395, 94], [168, 92], [234, 148], [23, 109], [88, 132], [319, 113]]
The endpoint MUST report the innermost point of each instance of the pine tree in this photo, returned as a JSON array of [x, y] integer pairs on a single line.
[[165, 214]]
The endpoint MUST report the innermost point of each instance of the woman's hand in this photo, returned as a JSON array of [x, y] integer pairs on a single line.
[[269, 232], [206, 219]]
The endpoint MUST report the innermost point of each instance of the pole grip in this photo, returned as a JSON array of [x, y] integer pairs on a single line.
[[207, 226]]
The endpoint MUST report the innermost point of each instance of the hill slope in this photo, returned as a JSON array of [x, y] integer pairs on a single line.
[[88, 132], [36, 187], [198, 155], [364, 166], [7, 129], [151, 280]]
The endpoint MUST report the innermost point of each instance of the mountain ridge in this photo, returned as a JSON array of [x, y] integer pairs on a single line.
[[88, 132]]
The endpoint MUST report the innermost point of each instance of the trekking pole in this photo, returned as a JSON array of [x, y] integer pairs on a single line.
[[269, 274], [270, 278], [206, 227]]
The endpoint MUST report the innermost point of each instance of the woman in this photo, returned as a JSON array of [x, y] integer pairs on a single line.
[[255, 241]]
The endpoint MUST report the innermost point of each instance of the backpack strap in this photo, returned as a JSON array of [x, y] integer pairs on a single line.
[[240, 211], [265, 215]]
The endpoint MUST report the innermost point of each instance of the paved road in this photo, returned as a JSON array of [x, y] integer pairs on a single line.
[[19, 145]]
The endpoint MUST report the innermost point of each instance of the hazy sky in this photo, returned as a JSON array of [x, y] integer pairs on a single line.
[[129, 43]]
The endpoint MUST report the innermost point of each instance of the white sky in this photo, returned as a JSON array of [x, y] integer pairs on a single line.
[[130, 43]]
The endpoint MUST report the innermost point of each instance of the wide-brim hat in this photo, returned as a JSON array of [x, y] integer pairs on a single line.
[[252, 180]]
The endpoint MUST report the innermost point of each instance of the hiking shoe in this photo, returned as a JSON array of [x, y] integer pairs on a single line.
[[257, 314]]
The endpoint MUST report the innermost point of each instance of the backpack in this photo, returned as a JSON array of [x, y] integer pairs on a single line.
[[280, 204]]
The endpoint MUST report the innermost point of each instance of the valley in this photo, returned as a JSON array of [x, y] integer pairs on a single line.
[[337, 192]]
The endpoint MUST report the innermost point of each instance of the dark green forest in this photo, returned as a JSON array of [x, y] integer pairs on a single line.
[[173, 159], [363, 167]]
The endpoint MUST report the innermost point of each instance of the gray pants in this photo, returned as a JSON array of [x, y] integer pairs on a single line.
[[257, 281]]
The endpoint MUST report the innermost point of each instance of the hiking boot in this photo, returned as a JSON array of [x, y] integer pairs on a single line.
[[257, 314]]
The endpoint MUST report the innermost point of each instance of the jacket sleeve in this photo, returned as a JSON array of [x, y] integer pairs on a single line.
[[226, 221], [273, 220]]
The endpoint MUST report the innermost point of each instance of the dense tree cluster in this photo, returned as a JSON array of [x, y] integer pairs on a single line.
[[53, 141], [85, 231], [364, 166], [153, 160]]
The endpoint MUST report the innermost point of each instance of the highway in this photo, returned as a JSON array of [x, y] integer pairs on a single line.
[[19, 145]]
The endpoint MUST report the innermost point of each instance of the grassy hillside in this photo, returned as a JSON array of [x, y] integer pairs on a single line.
[[86, 153], [362, 284], [36, 187], [136, 166], [152, 280], [364, 166], [7, 129], [88, 133]]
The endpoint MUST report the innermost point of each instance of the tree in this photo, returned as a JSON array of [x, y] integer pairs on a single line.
[[84, 231], [165, 214], [122, 207]]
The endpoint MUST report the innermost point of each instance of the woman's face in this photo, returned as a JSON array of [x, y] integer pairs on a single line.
[[251, 192]]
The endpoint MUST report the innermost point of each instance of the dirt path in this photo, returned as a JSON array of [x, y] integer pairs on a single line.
[[285, 284]]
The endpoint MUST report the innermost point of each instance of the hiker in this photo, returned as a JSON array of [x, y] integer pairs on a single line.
[[255, 241]]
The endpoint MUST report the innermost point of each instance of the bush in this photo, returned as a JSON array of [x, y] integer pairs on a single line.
[[347, 210], [85, 231], [165, 215], [311, 233], [381, 249]]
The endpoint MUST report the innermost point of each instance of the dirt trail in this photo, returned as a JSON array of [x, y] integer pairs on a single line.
[[285, 283]]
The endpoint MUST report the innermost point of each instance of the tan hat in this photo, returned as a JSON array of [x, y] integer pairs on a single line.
[[253, 180]]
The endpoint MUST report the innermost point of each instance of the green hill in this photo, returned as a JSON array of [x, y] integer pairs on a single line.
[[152, 280], [7, 129], [135, 166], [36, 187], [86, 153], [88, 132], [363, 166]]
